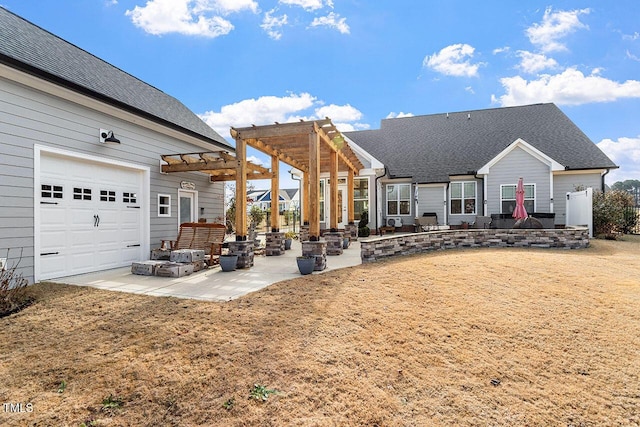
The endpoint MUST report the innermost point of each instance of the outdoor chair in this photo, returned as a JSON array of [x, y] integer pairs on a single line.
[[482, 222]]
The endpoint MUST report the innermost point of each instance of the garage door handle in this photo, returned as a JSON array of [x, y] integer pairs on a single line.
[[98, 216], [133, 246], [96, 221], [49, 253], [48, 203]]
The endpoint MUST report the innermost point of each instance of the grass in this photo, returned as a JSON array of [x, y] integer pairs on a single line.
[[470, 337]]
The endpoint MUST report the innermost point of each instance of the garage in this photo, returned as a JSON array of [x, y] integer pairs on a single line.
[[90, 215]]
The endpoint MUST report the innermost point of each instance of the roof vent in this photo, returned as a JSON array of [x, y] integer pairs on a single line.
[[447, 115], [468, 116]]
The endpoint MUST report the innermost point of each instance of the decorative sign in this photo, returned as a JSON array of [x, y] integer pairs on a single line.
[[186, 185]]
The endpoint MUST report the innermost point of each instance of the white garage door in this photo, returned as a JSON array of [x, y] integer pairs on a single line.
[[90, 216]]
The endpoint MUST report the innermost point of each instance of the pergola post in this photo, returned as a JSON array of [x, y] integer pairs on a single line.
[[333, 191], [314, 186], [275, 194], [350, 197], [241, 189], [305, 198]]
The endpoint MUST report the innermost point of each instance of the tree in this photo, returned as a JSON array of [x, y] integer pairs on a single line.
[[631, 186]]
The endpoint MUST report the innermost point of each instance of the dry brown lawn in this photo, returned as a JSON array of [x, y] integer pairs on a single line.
[[469, 337]]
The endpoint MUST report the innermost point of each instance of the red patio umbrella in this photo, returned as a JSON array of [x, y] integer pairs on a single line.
[[520, 212]]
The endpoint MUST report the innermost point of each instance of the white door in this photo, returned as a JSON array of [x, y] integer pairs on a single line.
[[343, 213], [90, 216], [187, 202]]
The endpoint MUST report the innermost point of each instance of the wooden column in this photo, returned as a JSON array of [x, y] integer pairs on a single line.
[[305, 198], [314, 186], [350, 197], [275, 194], [333, 192], [241, 189]]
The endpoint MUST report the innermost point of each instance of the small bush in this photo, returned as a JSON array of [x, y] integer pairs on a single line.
[[13, 295], [363, 230]]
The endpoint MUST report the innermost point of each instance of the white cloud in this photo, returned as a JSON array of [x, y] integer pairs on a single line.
[[110, 2], [332, 20], [632, 56], [188, 17], [631, 37], [625, 152], [501, 50], [535, 62], [571, 87], [291, 108], [307, 4], [453, 60], [257, 161], [394, 115], [555, 26], [272, 24]]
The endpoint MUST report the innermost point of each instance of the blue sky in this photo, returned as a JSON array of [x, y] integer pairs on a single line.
[[242, 62]]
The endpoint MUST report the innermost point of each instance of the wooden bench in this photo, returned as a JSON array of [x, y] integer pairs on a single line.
[[200, 235]]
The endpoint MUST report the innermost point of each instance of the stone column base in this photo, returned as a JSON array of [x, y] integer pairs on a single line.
[[274, 243], [334, 242], [304, 233], [244, 250], [351, 231], [317, 250]]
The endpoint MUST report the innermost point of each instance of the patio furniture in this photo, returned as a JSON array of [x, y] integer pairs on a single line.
[[427, 222], [200, 235], [482, 222]]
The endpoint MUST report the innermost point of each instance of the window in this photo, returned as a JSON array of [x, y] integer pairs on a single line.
[[81, 193], [129, 197], [463, 198], [399, 199], [508, 198], [360, 197], [107, 196], [164, 205], [51, 191]]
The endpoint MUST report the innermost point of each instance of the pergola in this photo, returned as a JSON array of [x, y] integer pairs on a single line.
[[313, 147]]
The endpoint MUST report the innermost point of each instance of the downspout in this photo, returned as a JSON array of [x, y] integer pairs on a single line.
[[484, 196], [603, 175], [386, 172]]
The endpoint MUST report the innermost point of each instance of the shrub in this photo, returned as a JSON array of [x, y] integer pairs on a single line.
[[13, 295], [256, 215], [363, 230], [609, 211]]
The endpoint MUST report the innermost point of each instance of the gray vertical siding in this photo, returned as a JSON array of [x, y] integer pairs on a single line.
[[29, 117], [567, 183], [518, 163]]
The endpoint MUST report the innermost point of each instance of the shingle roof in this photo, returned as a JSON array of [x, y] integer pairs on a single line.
[[433, 147], [28, 47]]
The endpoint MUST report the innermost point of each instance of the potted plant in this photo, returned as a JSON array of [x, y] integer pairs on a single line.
[[345, 242], [288, 238], [228, 262], [306, 264]]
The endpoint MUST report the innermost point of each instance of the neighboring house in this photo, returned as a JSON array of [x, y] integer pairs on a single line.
[[467, 164], [71, 202], [288, 199]]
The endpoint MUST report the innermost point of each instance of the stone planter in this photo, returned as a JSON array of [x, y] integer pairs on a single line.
[[306, 264], [228, 262]]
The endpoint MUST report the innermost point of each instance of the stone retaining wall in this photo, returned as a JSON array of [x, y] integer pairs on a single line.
[[384, 247]]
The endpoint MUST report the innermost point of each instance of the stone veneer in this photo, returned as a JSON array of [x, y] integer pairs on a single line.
[[351, 231], [318, 250], [384, 247], [334, 242], [274, 242], [244, 250]]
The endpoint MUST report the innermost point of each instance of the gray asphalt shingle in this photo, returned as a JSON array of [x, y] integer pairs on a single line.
[[25, 45], [433, 147]]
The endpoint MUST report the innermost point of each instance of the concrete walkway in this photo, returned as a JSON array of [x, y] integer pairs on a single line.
[[212, 284]]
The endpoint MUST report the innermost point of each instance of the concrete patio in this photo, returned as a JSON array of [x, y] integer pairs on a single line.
[[212, 284]]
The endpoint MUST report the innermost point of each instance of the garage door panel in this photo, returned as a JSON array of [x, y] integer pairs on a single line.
[[86, 219]]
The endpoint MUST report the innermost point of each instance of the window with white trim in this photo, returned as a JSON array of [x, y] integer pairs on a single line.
[[399, 199], [164, 205], [463, 197], [508, 198], [360, 197]]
